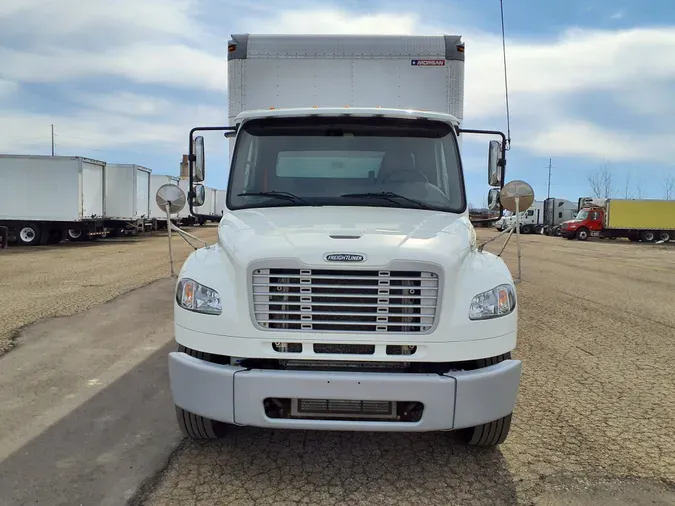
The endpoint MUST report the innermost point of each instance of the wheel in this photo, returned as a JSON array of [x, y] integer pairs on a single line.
[[648, 236], [527, 229], [538, 229], [195, 426], [582, 234], [75, 234], [492, 433], [664, 236], [29, 235], [557, 231], [198, 427]]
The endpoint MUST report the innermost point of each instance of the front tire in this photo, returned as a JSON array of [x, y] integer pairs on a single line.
[[195, 426], [582, 234], [492, 433], [198, 427]]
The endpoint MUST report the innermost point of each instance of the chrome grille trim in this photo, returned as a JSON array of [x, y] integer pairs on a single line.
[[345, 300]]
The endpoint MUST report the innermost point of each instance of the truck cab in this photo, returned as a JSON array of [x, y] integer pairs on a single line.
[[587, 223], [346, 290]]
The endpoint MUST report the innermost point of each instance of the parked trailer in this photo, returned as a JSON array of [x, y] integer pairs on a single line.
[[157, 215], [47, 198], [208, 209], [636, 220], [127, 192], [220, 203]]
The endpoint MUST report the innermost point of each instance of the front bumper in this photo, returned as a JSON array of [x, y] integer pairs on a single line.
[[235, 395], [568, 233]]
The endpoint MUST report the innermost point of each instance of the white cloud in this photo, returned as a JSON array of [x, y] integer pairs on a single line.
[[7, 88], [169, 43], [584, 139], [617, 15]]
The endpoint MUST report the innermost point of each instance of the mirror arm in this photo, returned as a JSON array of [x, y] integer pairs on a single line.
[[501, 162]]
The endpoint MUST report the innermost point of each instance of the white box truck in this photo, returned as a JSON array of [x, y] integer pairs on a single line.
[[47, 198], [127, 192], [346, 290], [221, 195]]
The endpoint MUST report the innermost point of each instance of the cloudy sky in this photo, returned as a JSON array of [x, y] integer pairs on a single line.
[[591, 82]]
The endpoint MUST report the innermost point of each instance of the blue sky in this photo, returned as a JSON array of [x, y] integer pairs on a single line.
[[591, 82]]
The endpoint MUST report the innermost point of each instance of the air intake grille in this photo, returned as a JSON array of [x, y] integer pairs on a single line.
[[333, 300]]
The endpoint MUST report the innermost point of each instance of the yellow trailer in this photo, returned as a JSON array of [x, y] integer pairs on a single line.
[[654, 215]]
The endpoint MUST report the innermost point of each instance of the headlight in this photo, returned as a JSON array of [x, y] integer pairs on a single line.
[[192, 296], [494, 303]]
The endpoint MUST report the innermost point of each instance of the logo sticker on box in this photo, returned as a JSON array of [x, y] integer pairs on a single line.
[[427, 63]]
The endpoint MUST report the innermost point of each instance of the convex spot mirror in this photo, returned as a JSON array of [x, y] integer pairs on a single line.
[[495, 163], [172, 195], [199, 195], [493, 199], [199, 168], [514, 189]]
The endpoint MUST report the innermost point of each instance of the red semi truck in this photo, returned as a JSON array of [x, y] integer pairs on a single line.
[[637, 220]]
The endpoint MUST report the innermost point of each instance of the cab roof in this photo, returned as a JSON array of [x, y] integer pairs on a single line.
[[346, 111]]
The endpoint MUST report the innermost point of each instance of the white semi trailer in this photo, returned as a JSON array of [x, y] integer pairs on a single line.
[[346, 290], [44, 199], [127, 192]]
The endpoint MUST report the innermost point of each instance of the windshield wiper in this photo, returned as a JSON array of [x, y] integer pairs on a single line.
[[278, 195], [390, 196]]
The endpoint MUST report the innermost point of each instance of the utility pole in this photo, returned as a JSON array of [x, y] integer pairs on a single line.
[[52, 140], [548, 194]]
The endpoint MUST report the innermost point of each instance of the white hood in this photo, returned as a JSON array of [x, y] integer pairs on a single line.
[[381, 234]]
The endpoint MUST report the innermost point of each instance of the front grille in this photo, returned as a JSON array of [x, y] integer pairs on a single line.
[[335, 300], [342, 408]]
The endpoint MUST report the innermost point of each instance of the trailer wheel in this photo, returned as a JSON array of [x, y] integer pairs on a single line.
[[29, 235], [582, 234], [75, 235], [664, 236], [648, 236]]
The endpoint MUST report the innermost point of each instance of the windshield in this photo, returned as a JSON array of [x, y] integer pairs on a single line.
[[583, 214], [347, 161]]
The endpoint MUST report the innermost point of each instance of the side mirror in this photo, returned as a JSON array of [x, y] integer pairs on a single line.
[[493, 199], [199, 195], [495, 164], [199, 168]]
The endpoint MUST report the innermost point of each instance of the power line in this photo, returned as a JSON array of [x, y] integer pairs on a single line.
[[506, 81]]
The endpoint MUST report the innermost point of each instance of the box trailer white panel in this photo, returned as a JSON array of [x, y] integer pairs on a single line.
[[157, 181], [51, 188], [127, 189], [209, 206], [283, 71], [143, 195], [220, 202], [184, 185]]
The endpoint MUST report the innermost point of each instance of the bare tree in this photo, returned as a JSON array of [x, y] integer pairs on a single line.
[[601, 181], [638, 188], [669, 187], [627, 194]]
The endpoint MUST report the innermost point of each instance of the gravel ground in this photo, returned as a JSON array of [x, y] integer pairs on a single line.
[[594, 421], [62, 280]]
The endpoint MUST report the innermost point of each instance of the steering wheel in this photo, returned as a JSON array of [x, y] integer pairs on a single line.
[[420, 176]]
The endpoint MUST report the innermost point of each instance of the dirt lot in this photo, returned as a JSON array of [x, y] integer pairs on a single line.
[[61, 280], [593, 425], [594, 422]]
